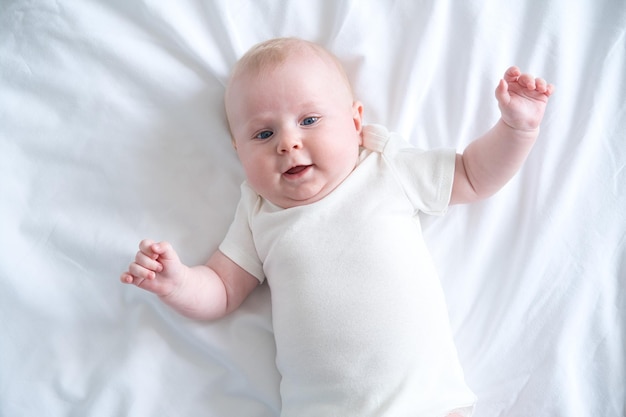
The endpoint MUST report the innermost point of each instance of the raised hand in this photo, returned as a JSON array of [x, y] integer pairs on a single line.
[[522, 99], [157, 268]]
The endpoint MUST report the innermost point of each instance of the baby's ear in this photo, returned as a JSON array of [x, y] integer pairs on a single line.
[[357, 115], [232, 138], [357, 118]]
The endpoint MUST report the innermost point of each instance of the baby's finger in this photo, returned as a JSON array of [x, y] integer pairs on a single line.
[[512, 74], [502, 92], [126, 278], [527, 81], [165, 250], [148, 262], [139, 272], [145, 246], [540, 85]]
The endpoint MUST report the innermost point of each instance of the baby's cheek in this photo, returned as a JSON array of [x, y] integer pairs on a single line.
[[261, 182]]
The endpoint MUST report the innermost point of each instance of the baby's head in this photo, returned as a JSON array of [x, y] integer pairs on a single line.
[[293, 120], [268, 55]]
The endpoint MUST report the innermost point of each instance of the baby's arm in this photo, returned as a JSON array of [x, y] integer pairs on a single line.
[[492, 160], [206, 291]]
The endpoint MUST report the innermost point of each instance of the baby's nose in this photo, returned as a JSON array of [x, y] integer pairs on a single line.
[[288, 142]]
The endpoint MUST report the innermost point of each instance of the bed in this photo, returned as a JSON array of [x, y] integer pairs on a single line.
[[112, 130]]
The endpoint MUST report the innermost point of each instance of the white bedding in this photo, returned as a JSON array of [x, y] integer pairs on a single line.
[[112, 130]]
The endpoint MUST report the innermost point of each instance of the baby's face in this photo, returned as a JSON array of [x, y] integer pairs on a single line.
[[296, 128]]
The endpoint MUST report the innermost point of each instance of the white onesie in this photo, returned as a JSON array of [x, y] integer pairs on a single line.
[[359, 316]]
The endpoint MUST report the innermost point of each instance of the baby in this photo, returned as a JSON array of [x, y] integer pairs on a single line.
[[329, 216]]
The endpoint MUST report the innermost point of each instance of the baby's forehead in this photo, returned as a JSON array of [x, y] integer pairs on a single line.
[[262, 64], [269, 60]]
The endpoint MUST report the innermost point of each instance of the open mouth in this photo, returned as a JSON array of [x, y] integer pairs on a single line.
[[298, 169]]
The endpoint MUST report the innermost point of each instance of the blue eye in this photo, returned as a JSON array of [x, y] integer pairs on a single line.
[[266, 134], [309, 121]]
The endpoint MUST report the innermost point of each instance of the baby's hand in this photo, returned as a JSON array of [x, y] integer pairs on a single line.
[[522, 99], [157, 268]]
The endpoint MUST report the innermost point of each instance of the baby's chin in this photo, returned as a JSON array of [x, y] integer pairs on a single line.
[[287, 202], [303, 197]]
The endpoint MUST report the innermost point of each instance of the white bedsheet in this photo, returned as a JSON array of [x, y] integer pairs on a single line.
[[112, 130]]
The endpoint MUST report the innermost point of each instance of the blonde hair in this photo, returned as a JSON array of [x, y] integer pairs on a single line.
[[273, 52]]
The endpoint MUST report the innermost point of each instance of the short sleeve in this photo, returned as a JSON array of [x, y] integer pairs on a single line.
[[238, 245], [425, 176]]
